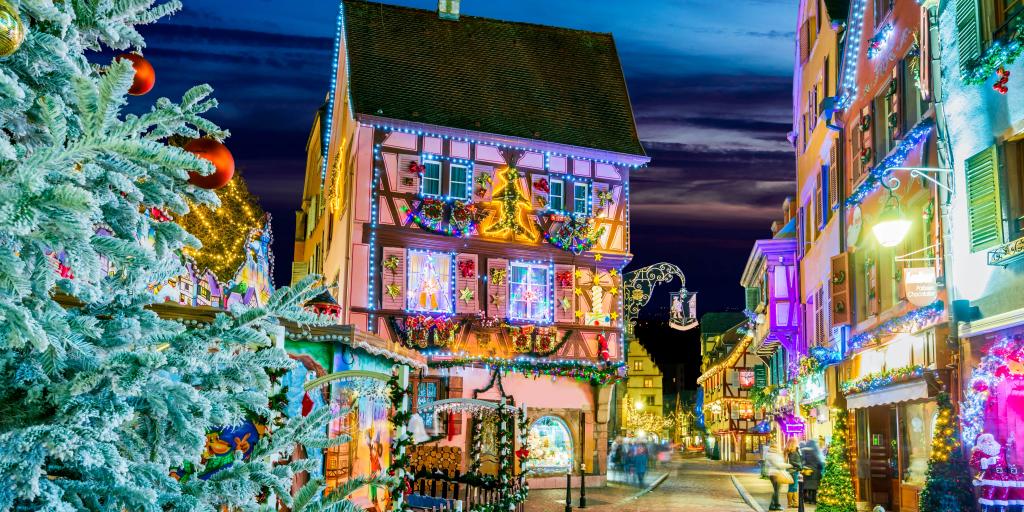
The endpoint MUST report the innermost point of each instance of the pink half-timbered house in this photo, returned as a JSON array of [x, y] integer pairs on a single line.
[[467, 195]]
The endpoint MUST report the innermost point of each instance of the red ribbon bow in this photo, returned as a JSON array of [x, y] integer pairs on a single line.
[[542, 185]]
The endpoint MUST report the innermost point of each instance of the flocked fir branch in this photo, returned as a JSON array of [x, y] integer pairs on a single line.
[[103, 398]]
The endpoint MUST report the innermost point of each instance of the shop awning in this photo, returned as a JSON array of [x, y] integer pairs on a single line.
[[903, 392]]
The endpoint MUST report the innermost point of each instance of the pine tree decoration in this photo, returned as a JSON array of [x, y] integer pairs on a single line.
[[103, 399], [835, 492], [513, 220], [224, 230], [948, 484]]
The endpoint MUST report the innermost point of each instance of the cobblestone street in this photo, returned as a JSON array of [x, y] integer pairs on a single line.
[[691, 485]]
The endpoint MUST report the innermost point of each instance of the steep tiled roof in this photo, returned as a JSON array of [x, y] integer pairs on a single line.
[[715, 323], [515, 79]]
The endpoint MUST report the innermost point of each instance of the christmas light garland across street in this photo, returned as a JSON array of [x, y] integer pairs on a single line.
[[883, 171], [884, 378], [528, 366], [910, 322]]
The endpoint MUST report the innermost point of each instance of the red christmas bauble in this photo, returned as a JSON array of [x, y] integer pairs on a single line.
[[145, 76], [222, 160]]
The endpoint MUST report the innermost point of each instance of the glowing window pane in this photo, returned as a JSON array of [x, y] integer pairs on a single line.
[[551, 446], [530, 292], [432, 178], [430, 282]]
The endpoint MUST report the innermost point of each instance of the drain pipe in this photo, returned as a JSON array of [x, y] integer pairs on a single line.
[[945, 155]]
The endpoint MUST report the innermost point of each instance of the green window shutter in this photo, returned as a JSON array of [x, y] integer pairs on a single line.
[[983, 210], [968, 33], [753, 296]]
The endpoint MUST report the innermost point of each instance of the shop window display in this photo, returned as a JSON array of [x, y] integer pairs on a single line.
[[530, 288], [430, 282], [993, 424], [550, 446]]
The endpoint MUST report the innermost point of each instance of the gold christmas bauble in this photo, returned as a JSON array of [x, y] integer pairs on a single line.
[[12, 30]]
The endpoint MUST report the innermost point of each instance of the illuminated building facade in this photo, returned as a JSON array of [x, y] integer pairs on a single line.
[[467, 195]]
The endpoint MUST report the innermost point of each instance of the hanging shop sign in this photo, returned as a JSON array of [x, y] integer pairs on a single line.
[[921, 285], [760, 376], [747, 379]]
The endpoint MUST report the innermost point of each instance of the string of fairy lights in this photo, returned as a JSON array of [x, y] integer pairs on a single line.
[[223, 231]]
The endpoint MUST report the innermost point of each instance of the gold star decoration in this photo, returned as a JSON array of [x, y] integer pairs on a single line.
[[466, 294], [579, 314], [613, 272], [393, 290], [579, 273], [613, 290], [614, 315], [495, 298], [566, 303], [577, 291], [598, 257]]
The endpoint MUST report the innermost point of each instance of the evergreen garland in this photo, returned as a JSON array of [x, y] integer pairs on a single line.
[[948, 484], [476, 446], [835, 492], [400, 442]]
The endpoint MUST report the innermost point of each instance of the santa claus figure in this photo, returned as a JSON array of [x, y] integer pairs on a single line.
[[989, 459]]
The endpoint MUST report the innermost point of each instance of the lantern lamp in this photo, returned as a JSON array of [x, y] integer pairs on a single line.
[[892, 226]]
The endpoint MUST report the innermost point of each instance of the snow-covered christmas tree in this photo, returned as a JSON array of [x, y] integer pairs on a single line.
[[103, 399]]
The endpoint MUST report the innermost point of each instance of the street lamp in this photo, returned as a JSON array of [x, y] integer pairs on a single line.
[[638, 405], [892, 226]]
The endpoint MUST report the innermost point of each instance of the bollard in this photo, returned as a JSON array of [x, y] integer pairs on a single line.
[[568, 492], [583, 485]]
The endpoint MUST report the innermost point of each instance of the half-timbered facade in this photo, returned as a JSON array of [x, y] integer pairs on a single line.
[[467, 195], [728, 375]]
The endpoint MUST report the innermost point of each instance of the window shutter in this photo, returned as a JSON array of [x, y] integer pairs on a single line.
[[819, 317], [565, 298], [968, 33], [805, 47], [867, 142], [471, 282], [539, 190], [454, 418], [497, 290], [392, 291], [840, 284], [895, 121], [408, 181], [753, 298], [833, 171], [819, 217], [824, 204], [983, 210], [483, 182], [606, 210]]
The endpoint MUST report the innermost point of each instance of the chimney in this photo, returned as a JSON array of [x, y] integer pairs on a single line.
[[448, 9]]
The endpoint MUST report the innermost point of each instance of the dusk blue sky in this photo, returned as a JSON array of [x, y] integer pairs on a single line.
[[710, 82]]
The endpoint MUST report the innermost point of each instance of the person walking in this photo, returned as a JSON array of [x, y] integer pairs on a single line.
[[776, 468], [795, 461], [814, 464], [641, 463]]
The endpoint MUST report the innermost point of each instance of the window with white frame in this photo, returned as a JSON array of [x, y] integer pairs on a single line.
[[431, 183], [580, 196], [556, 195], [458, 181], [529, 292], [429, 282]]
